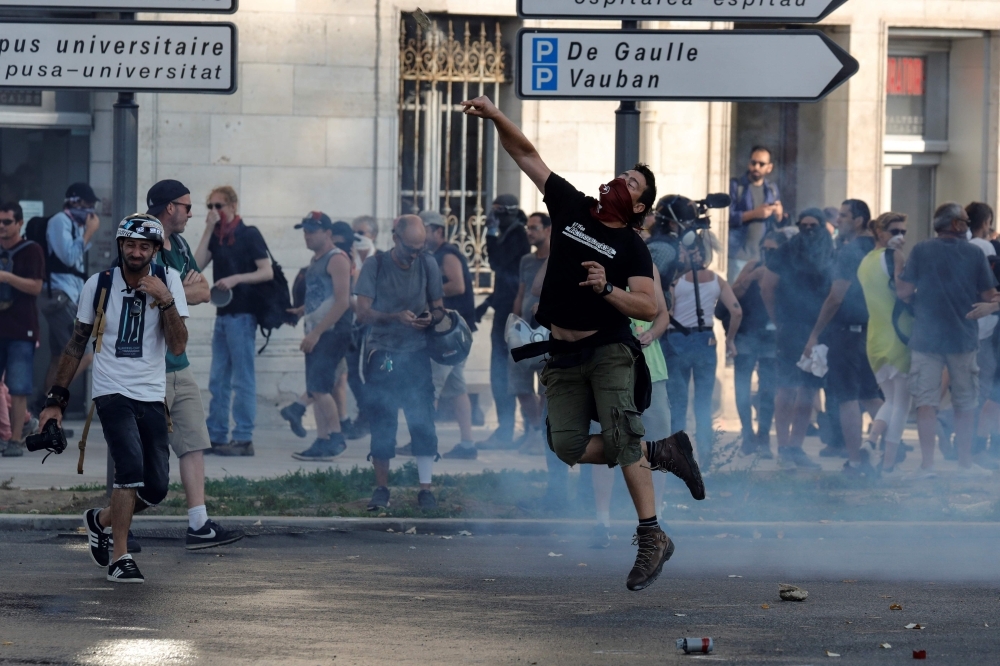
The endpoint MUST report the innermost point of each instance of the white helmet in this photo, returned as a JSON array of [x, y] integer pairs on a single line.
[[518, 333], [141, 227]]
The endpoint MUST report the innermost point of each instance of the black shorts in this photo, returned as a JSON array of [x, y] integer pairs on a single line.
[[791, 341], [851, 377], [322, 362], [136, 433]]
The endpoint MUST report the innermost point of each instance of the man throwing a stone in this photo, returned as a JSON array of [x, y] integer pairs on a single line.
[[599, 275]]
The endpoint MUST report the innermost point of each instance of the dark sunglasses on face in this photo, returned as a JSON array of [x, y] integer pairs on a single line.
[[187, 207], [8, 222], [216, 206], [897, 232]]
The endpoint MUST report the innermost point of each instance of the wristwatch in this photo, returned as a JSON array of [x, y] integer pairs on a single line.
[[608, 288]]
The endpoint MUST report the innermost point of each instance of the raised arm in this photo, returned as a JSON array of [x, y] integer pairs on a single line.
[[512, 140]]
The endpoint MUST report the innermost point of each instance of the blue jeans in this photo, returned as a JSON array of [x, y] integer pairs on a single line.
[[692, 358], [17, 361], [232, 380], [755, 352]]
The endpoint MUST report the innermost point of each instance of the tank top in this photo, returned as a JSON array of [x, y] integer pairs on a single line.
[[655, 360], [319, 290], [685, 310], [884, 346], [465, 303]]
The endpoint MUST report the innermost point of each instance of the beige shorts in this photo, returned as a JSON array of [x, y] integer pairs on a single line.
[[925, 379], [449, 380], [187, 413]]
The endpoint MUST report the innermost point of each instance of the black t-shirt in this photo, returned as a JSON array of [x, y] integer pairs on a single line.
[[853, 310], [235, 259], [802, 288], [577, 237]]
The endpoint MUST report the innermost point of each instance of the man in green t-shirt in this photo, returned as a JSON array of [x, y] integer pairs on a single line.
[[170, 202]]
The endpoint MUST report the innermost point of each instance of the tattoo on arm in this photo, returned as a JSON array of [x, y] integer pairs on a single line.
[[74, 351], [174, 330]]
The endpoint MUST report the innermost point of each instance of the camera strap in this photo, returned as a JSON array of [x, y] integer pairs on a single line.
[[83, 438]]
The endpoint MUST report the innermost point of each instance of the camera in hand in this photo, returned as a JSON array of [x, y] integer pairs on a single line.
[[51, 439]]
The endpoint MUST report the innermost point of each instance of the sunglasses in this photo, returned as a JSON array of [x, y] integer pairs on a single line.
[[216, 206], [187, 207], [897, 232], [7, 222], [138, 302]]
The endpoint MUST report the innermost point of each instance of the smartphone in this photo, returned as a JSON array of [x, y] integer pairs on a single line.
[[425, 315]]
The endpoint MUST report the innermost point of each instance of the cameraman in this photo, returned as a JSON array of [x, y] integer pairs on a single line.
[[143, 319]]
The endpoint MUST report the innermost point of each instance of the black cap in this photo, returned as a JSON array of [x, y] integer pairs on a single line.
[[81, 192], [163, 193], [344, 230], [316, 220]]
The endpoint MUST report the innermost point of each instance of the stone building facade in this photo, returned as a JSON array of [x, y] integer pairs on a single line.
[[324, 119]]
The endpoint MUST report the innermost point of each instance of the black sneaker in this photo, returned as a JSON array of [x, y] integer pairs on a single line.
[[798, 457], [675, 455], [426, 500], [211, 535], [124, 570], [462, 453], [323, 450], [357, 429], [655, 548], [380, 499], [235, 448], [131, 546], [98, 538], [600, 536], [293, 413], [496, 442]]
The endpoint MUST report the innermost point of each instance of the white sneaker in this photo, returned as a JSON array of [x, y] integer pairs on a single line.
[[921, 474], [973, 472]]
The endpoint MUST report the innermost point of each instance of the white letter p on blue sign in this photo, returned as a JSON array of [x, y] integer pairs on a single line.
[[545, 50]]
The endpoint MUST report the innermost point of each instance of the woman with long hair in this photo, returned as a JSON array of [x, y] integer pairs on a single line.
[[888, 354]]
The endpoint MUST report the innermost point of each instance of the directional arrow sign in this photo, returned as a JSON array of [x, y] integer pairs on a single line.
[[201, 6], [801, 65], [147, 56], [769, 11]]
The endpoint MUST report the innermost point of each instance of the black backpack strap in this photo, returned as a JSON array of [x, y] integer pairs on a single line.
[[899, 307]]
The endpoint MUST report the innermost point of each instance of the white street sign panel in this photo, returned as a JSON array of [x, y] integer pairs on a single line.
[[147, 56], [201, 6], [789, 65], [742, 11]]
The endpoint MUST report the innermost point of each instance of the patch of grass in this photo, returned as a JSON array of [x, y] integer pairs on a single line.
[[88, 488]]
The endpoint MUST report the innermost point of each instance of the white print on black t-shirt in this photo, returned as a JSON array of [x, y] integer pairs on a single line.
[[131, 327], [576, 232]]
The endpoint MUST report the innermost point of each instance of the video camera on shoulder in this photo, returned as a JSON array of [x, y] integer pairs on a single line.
[[51, 439], [682, 221]]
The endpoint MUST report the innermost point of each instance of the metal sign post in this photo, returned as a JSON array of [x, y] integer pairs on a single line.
[[699, 65], [627, 118], [741, 11]]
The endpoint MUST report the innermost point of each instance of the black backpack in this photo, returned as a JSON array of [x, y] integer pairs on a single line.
[[7, 264], [36, 230], [271, 302], [901, 307]]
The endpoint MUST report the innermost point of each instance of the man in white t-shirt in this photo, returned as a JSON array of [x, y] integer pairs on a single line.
[[143, 309]]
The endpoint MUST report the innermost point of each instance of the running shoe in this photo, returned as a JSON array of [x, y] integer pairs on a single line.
[[293, 413], [125, 570], [235, 448], [211, 535], [795, 455], [426, 500], [380, 499], [462, 451], [495, 442], [98, 538], [675, 455], [655, 548], [13, 449], [323, 450]]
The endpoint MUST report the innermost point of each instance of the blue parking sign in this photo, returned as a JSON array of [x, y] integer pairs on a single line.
[[545, 51], [544, 77]]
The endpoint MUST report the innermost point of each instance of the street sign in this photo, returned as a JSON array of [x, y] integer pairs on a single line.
[[800, 65], [147, 56], [200, 6], [740, 11]]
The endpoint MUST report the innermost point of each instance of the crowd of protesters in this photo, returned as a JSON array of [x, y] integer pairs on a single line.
[[829, 304]]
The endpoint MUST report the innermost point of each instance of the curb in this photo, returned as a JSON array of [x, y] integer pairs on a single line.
[[748, 530]]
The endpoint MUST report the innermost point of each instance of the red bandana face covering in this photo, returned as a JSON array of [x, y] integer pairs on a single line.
[[615, 204]]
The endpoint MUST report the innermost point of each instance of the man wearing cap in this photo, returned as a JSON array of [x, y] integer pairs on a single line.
[[170, 202], [327, 323], [506, 243], [449, 380], [67, 239]]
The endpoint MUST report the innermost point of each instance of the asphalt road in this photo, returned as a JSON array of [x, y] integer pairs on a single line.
[[377, 598]]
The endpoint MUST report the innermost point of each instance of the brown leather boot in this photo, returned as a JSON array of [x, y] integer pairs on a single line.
[[655, 548], [675, 455]]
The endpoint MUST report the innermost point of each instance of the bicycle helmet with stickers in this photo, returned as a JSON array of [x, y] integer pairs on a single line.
[[141, 226]]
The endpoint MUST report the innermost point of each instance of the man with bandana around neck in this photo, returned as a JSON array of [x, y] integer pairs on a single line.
[[599, 275]]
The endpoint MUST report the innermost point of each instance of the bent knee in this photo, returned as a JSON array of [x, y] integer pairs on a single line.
[[568, 445]]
